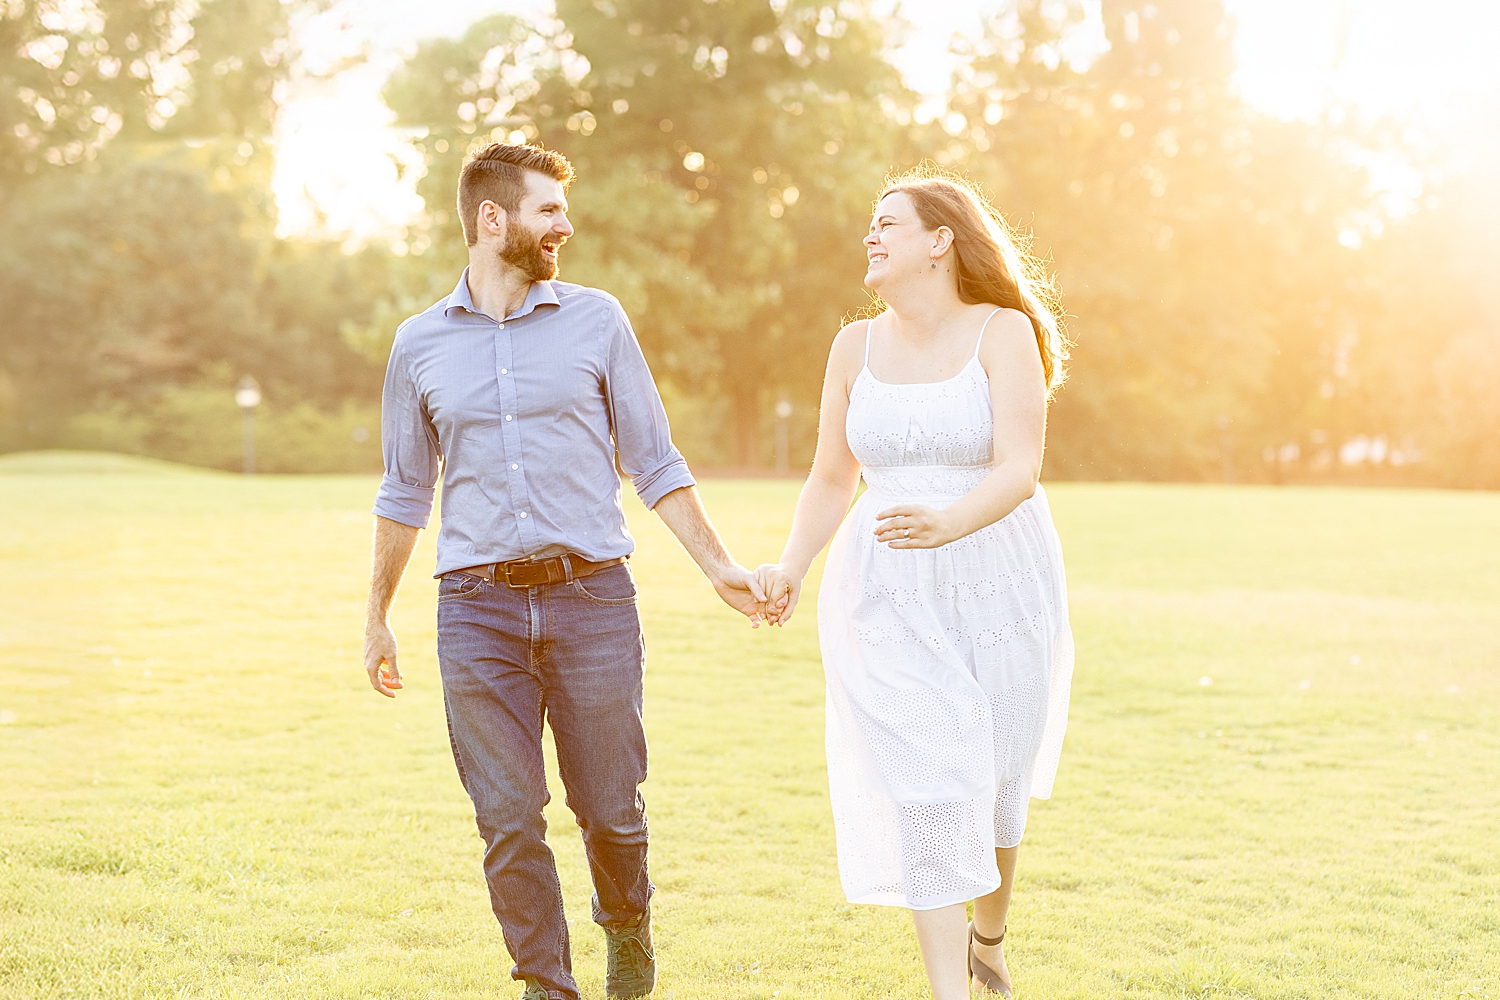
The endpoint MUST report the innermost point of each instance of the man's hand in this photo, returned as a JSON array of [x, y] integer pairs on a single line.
[[741, 591], [394, 543], [380, 658]]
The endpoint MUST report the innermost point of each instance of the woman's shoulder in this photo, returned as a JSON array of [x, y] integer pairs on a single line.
[[1008, 342], [850, 340], [1002, 323], [846, 355], [997, 315]]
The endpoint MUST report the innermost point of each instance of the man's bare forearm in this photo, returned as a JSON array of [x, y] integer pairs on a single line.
[[682, 511], [684, 514], [394, 544]]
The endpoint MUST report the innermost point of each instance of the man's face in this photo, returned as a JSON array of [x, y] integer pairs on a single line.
[[538, 228]]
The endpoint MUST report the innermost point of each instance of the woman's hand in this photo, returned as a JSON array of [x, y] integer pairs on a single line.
[[781, 589], [912, 526]]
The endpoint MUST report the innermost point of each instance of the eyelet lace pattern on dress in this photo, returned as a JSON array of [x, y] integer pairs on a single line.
[[948, 669]]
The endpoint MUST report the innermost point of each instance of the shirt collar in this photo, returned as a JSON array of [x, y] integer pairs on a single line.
[[541, 293]]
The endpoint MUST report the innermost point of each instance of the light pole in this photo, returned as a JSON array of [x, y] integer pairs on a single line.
[[247, 395], [783, 445]]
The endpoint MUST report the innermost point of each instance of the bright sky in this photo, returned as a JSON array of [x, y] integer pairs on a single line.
[[337, 152]]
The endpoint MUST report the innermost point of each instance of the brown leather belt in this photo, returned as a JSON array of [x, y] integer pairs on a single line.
[[523, 573]]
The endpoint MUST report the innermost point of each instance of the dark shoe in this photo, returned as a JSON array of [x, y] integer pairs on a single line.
[[631, 969], [983, 974]]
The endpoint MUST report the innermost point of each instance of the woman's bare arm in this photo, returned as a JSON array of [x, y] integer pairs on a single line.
[[834, 477]]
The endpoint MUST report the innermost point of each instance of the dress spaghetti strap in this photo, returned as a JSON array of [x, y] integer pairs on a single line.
[[869, 325], [977, 343]]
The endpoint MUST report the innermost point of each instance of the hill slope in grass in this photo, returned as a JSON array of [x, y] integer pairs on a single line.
[[92, 463]]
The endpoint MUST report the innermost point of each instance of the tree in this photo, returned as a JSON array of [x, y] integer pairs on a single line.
[[1428, 344], [144, 296], [728, 156], [1196, 241], [74, 77], [136, 249]]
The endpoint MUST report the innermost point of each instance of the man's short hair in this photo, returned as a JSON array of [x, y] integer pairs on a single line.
[[498, 173]]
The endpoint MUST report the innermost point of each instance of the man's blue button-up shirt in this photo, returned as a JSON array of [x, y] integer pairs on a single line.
[[522, 419]]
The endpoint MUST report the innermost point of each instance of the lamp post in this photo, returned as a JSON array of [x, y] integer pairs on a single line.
[[783, 445], [247, 395]]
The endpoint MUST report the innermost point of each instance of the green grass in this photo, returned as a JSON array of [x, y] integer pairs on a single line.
[[204, 799]]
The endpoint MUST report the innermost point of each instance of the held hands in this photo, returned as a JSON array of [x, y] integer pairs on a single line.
[[782, 589], [912, 526], [741, 590], [902, 526]]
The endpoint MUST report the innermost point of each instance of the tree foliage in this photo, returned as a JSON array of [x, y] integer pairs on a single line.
[[1224, 271], [1230, 285], [1247, 301], [137, 266], [120, 308], [74, 76], [728, 154]]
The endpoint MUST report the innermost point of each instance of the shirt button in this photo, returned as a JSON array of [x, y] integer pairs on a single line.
[[523, 515], [513, 465], [507, 416], [505, 371], [502, 326]]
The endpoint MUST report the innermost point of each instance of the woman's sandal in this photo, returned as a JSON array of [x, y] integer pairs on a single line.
[[986, 976]]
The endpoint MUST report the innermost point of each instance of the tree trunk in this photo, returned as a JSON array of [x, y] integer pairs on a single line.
[[747, 428]]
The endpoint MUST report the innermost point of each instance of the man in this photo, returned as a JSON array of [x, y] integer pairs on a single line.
[[519, 391]]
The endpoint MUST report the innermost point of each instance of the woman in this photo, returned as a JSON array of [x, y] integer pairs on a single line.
[[943, 610]]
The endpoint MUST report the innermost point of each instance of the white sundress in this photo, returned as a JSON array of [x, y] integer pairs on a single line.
[[948, 669]]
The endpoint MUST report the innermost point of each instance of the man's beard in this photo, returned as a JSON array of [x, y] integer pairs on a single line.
[[523, 251]]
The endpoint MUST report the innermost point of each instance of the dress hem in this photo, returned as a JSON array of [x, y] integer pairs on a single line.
[[879, 898]]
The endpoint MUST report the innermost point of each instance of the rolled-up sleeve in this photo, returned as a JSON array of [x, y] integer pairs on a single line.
[[639, 421], [409, 444]]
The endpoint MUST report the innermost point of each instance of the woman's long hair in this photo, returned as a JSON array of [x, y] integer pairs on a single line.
[[995, 263]]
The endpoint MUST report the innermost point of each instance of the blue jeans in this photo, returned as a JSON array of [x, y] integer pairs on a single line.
[[571, 653]]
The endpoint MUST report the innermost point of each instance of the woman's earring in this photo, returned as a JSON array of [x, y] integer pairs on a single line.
[[934, 263]]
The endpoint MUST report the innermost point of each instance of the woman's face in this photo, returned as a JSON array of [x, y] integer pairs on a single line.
[[897, 245]]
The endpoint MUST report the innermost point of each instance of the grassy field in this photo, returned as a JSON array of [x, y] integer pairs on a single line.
[[1280, 778]]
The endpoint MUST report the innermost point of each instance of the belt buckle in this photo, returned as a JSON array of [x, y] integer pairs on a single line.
[[557, 569]]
